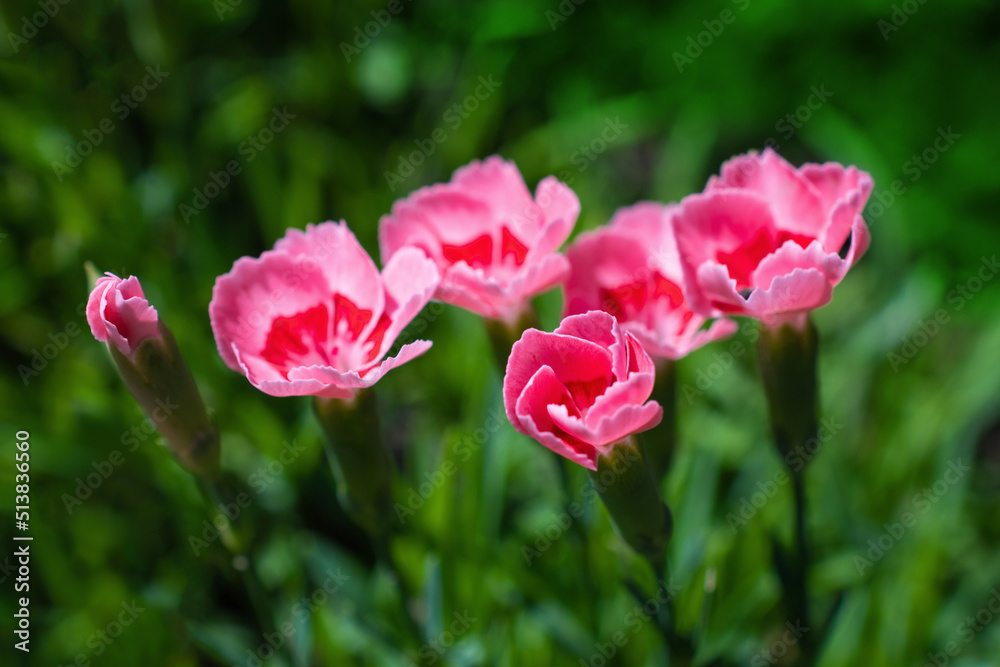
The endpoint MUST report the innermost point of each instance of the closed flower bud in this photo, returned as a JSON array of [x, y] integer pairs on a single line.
[[153, 369]]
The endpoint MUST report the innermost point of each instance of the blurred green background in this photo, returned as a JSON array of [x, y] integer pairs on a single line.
[[681, 87]]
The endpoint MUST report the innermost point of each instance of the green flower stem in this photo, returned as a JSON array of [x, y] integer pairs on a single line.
[[681, 648], [361, 464], [787, 354], [625, 484], [363, 470], [221, 491]]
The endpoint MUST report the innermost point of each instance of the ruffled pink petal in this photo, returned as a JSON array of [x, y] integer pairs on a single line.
[[602, 329], [634, 390], [561, 208], [611, 428], [581, 452], [638, 358], [457, 219], [833, 181], [843, 214], [473, 289], [795, 203], [719, 221], [542, 390], [528, 412], [570, 424], [410, 279], [603, 260], [860, 239], [477, 290], [628, 420], [583, 367], [791, 256], [801, 290], [552, 235], [247, 300], [492, 243], [349, 270], [401, 229], [499, 184], [712, 293], [354, 379], [95, 311], [117, 312], [264, 377], [649, 223], [537, 277]]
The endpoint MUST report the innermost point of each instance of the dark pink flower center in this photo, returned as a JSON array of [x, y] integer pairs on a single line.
[[305, 339], [585, 392], [745, 259], [628, 302], [511, 246], [376, 336], [294, 338], [479, 251], [349, 318]]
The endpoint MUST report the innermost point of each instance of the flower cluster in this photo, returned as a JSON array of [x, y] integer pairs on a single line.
[[315, 316]]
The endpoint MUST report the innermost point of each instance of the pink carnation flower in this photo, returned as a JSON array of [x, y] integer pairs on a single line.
[[580, 388], [315, 317], [118, 313], [494, 245], [764, 238], [630, 269]]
